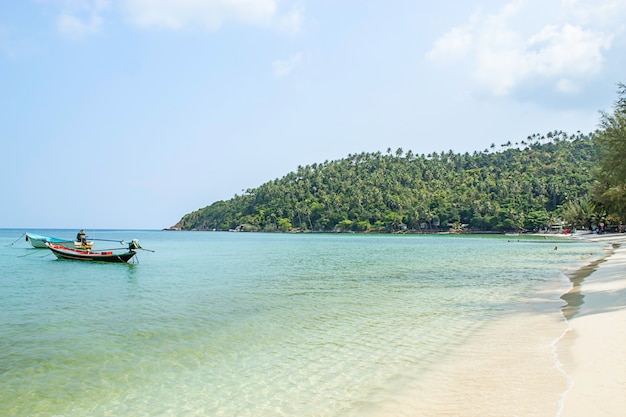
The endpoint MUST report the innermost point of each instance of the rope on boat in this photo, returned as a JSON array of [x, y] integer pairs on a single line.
[[23, 234]]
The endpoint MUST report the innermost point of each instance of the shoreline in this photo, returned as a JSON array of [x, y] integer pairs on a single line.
[[544, 361], [592, 352]]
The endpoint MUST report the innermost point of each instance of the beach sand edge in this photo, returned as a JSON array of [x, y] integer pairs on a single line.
[[593, 351]]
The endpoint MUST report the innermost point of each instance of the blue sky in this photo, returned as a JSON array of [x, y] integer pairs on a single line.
[[130, 114]]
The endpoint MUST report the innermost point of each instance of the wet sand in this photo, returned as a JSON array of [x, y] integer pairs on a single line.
[[593, 351]]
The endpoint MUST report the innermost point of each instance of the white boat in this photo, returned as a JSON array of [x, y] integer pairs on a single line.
[[39, 241]]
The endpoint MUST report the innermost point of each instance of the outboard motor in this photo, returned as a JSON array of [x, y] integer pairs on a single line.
[[134, 244]]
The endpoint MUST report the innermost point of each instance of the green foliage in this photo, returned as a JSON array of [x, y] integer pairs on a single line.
[[522, 185], [582, 213], [610, 188], [537, 219], [284, 225]]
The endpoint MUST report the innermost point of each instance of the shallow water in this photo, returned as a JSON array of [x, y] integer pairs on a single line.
[[238, 324]]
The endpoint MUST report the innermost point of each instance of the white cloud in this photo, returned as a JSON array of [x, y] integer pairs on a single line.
[[84, 17], [567, 86], [604, 13], [81, 18], [282, 68], [567, 50], [506, 49], [74, 26], [209, 14], [453, 45], [291, 21]]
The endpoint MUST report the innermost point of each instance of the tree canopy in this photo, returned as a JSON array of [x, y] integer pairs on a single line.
[[610, 188], [522, 185]]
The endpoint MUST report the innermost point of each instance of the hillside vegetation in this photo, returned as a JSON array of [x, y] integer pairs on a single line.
[[519, 186]]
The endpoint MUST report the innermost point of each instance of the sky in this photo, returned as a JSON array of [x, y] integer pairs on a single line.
[[129, 114]]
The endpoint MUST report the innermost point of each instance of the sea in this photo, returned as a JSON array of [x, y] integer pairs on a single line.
[[279, 324]]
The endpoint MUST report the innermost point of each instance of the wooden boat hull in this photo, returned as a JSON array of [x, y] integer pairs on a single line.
[[62, 252]]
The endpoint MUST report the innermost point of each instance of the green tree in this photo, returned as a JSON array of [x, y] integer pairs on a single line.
[[610, 189], [284, 225], [580, 213], [537, 219]]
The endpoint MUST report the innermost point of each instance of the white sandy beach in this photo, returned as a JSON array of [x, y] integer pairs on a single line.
[[593, 352]]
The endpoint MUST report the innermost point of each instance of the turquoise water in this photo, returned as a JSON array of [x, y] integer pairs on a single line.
[[238, 324]]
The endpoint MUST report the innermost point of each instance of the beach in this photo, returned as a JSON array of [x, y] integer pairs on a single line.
[[501, 371], [593, 351]]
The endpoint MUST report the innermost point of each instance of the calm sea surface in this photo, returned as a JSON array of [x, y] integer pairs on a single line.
[[239, 324]]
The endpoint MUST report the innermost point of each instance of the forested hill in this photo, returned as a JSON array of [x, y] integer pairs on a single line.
[[518, 186]]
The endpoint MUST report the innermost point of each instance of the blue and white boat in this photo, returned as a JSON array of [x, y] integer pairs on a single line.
[[39, 241]]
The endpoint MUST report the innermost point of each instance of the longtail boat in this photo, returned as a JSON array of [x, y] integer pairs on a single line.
[[121, 255]]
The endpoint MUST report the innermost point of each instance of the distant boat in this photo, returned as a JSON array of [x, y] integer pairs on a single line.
[[122, 255], [39, 241]]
